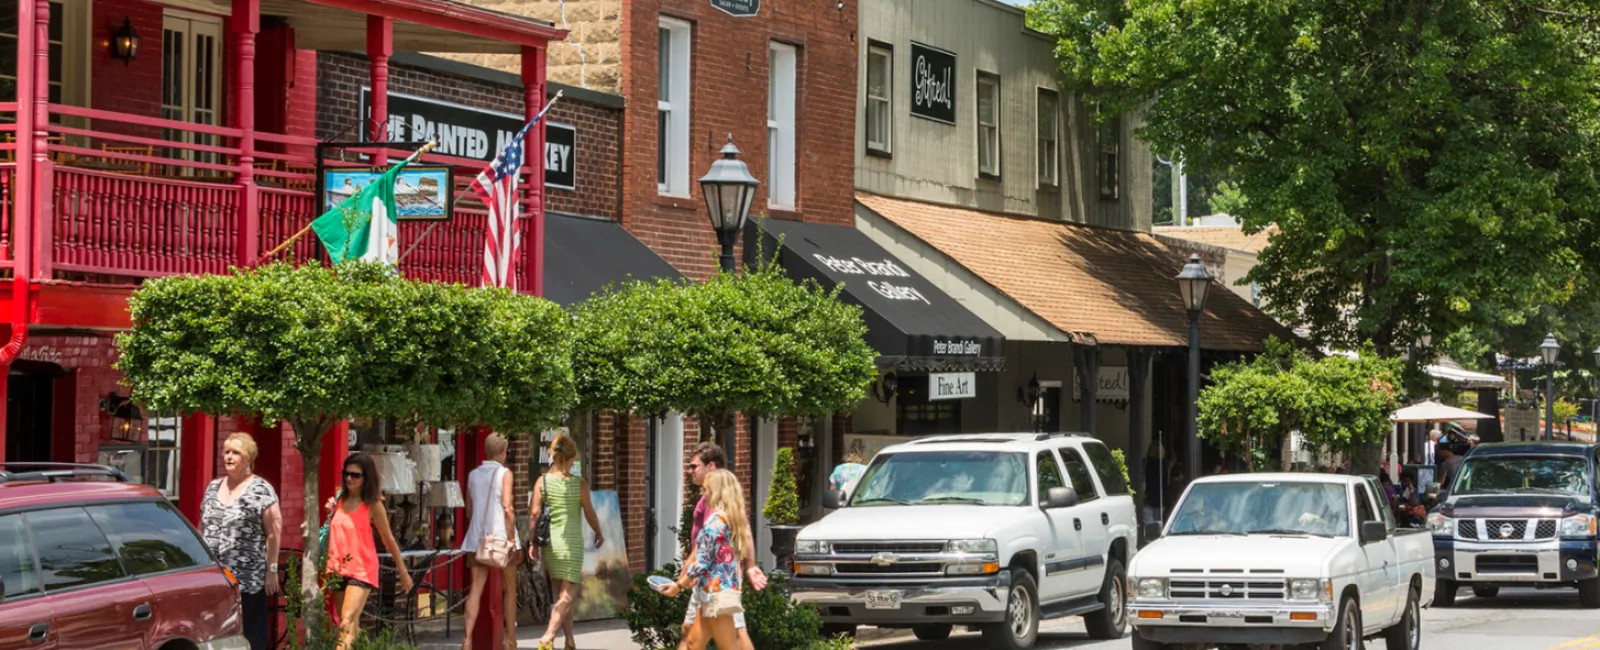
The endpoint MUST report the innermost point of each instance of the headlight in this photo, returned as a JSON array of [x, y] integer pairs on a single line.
[[972, 546], [812, 547], [1303, 589], [1151, 587], [813, 569], [1441, 525], [1578, 526]]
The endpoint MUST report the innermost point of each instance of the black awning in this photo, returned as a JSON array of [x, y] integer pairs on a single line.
[[910, 322], [583, 255]]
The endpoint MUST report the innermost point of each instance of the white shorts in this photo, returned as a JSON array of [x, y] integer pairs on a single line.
[[696, 600]]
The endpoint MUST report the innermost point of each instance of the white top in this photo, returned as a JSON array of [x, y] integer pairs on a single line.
[[488, 517]]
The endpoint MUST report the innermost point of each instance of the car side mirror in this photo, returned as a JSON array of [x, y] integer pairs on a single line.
[[1152, 531], [2, 589], [833, 499], [1060, 497], [1374, 531]]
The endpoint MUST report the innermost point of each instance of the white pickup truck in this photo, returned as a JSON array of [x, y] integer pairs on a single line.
[[1281, 559], [993, 531]]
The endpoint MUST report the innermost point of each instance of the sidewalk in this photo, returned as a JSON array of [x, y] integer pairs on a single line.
[[610, 634]]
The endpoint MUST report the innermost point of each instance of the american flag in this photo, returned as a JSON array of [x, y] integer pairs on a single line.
[[497, 186]]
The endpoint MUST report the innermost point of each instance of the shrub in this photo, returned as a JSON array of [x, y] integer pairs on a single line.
[[774, 622], [655, 621], [1122, 466], [783, 504]]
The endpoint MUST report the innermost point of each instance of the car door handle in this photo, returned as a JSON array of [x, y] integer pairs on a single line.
[[1077, 524], [39, 632], [142, 612], [1105, 519]]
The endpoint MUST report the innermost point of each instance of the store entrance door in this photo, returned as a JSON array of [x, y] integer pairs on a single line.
[[30, 399]]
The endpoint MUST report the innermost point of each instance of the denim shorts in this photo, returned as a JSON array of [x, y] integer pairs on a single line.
[[697, 600]]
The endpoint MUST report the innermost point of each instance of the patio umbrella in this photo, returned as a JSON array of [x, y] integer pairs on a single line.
[[1431, 411]]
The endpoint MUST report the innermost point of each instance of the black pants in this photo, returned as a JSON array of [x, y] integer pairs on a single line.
[[254, 608]]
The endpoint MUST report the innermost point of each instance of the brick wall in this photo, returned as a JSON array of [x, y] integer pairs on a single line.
[[134, 87], [340, 77]]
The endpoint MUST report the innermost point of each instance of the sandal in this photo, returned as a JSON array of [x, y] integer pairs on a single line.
[[571, 644]]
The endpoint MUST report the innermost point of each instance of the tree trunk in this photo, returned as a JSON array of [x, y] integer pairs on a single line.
[[308, 440], [1366, 458]]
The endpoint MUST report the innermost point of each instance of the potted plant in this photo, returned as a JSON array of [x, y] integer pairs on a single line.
[[782, 511]]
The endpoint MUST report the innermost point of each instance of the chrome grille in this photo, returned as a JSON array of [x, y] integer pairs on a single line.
[[1505, 530], [1546, 529], [862, 568], [904, 548], [1246, 589], [1467, 529]]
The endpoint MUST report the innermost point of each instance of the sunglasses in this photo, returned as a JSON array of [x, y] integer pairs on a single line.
[[353, 474]]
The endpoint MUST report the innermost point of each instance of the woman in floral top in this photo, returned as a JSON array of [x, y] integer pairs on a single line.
[[719, 551]]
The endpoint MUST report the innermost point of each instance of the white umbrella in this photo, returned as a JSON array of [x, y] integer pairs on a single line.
[[1431, 411]]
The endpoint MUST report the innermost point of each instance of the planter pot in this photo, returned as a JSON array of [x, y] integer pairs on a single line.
[[783, 541]]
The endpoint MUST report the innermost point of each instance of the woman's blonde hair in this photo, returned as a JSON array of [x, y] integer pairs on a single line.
[[494, 446], [853, 457], [724, 495], [246, 444], [563, 450]]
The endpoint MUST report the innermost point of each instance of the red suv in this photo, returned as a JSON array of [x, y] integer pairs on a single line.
[[89, 559]]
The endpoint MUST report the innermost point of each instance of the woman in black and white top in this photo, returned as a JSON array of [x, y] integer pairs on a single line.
[[240, 521]]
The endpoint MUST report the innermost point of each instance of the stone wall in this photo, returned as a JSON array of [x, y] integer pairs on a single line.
[[591, 57]]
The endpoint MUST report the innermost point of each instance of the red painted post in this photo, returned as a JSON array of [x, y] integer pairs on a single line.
[[43, 225], [380, 46], [245, 24], [197, 456], [335, 448], [491, 618], [533, 98]]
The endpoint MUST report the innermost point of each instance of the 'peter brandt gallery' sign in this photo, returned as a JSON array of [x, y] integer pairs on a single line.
[[467, 132], [933, 83]]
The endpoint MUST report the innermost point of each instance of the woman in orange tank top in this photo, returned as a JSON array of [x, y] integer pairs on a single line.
[[352, 555]]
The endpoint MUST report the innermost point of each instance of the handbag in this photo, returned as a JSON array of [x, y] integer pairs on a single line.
[[541, 528], [493, 550], [722, 603], [321, 559]]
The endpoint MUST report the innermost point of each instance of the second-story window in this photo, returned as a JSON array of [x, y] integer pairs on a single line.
[[672, 108], [988, 125], [1109, 165], [1049, 138], [879, 116], [781, 77]]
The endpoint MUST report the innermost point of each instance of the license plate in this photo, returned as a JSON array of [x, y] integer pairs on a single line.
[[883, 600]]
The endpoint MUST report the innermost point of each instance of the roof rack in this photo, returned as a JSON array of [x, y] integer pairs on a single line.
[[1061, 434], [55, 472]]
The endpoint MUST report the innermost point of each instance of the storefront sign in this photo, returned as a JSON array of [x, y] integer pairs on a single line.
[[1113, 385], [1522, 423], [957, 348], [740, 8], [43, 353], [880, 269], [476, 133], [952, 385], [933, 83]]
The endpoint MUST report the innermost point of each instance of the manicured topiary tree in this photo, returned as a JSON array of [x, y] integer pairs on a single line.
[[783, 503]]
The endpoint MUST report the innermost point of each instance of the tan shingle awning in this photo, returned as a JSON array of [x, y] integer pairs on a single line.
[[1114, 287]]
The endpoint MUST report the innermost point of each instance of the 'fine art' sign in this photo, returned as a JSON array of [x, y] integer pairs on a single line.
[[933, 83]]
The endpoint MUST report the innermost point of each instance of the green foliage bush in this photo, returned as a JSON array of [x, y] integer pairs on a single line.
[[774, 622], [1122, 466], [783, 501]]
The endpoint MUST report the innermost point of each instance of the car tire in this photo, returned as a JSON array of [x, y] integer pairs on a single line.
[[1444, 593], [1485, 591], [830, 630], [931, 632], [1020, 629], [1111, 622], [1346, 634], [1141, 643], [1589, 593], [1407, 634]]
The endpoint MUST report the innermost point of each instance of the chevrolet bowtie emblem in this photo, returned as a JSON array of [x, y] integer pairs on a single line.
[[1505, 530], [1227, 590], [885, 559]]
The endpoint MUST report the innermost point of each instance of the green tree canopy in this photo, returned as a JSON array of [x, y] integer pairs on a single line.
[[1432, 166]]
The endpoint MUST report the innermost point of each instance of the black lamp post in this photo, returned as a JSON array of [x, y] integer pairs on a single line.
[[1596, 401], [1194, 283], [1549, 349], [729, 190]]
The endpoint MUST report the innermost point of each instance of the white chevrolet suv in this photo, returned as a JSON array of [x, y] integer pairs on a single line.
[[992, 531]]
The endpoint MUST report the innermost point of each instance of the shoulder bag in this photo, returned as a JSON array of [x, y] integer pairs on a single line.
[[541, 528], [722, 603], [493, 550]]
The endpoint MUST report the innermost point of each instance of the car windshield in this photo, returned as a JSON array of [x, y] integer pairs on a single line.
[[986, 478], [1564, 475], [1263, 508]]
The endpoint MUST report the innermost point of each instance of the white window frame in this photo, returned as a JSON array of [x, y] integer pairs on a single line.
[[988, 133], [165, 445], [783, 75], [881, 143], [1048, 154], [673, 102], [190, 30]]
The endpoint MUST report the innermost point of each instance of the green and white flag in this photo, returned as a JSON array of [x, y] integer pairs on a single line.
[[363, 226]]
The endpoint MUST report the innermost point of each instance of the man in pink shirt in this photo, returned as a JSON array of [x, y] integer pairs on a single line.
[[706, 458]]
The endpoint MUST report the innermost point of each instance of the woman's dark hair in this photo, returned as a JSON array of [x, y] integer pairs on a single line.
[[370, 483]]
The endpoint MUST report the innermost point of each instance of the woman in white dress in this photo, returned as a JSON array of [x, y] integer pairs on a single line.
[[492, 512]]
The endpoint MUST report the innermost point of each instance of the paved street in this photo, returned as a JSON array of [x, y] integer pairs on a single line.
[[1517, 620]]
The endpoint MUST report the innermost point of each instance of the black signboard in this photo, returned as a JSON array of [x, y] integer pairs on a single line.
[[476, 133], [740, 8], [933, 83]]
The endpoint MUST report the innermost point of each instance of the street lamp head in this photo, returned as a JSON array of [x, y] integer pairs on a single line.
[[729, 190], [1550, 349], [1194, 282]]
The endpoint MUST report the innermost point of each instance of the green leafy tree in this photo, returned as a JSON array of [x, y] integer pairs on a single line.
[[1431, 165], [312, 346], [783, 502]]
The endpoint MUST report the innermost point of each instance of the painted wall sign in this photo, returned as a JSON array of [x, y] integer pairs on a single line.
[[480, 134], [933, 83], [1113, 384], [952, 385], [740, 8], [421, 192]]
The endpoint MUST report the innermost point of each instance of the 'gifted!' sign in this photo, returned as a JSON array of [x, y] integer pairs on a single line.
[[933, 83]]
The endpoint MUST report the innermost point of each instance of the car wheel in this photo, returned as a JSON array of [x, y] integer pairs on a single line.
[[932, 632], [1485, 591], [1021, 625], [1346, 634], [830, 630], [1444, 593], [1407, 634], [1589, 593], [1111, 622]]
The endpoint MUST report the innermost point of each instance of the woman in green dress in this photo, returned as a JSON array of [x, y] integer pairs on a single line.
[[564, 494]]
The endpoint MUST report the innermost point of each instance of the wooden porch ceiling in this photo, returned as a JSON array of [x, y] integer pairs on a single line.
[[419, 25]]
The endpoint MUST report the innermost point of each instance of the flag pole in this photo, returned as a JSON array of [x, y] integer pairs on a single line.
[[425, 148]]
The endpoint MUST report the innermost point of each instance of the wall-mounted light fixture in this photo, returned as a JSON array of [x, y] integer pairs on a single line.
[[884, 389], [123, 414], [125, 42]]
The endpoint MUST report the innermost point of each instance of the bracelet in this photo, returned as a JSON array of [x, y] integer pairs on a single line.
[[272, 568]]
